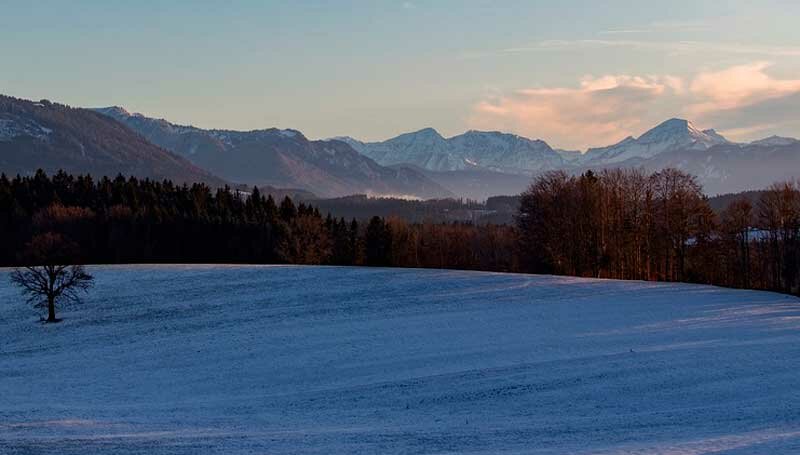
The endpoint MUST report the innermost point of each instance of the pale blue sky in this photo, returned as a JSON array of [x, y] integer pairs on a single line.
[[373, 69]]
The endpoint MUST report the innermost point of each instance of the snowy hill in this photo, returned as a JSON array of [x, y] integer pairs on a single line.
[[241, 359]]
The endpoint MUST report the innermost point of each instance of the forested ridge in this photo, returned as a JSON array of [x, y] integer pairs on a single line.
[[624, 224]]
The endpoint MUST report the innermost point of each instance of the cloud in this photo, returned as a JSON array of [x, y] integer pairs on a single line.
[[739, 86], [601, 110], [741, 101], [623, 31], [744, 100], [661, 27], [670, 47]]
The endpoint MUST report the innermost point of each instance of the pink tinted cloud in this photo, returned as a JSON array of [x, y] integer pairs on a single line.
[[738, 86], [603, 110], [600, 111]]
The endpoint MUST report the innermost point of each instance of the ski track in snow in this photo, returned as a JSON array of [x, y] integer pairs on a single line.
[[281, 359]]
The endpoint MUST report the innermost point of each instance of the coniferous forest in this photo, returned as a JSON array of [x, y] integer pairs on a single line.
[[621, 224]]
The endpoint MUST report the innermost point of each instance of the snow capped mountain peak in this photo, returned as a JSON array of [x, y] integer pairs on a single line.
[[290, 133], [425, 134], [489, 133], [683, 131], [671, 128], [713, 134], [428, 132], [667, 136], [492, 150], [675, 124]]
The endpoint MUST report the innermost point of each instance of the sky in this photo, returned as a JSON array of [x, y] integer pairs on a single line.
[[574, 73]]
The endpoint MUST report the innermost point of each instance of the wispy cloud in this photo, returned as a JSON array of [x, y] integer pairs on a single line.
[[743, 100], [624, 31], [660, 27], [672, 47], [680, 25]]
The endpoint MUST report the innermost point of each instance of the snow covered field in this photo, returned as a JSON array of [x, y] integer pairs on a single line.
[[229, 359]]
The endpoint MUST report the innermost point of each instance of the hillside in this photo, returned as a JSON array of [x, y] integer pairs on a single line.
[[227, 359], [52, 136]]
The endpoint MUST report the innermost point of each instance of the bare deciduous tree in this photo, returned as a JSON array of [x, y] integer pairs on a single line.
[[50, 280]]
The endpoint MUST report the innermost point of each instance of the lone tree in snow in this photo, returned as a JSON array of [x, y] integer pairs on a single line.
[[50, 281]]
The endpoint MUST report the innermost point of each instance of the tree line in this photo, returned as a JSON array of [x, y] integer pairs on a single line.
[[629, 224], [128, 220], [625, 224]]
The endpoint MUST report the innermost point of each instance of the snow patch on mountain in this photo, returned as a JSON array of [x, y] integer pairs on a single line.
[[288, 133], [12, 126]]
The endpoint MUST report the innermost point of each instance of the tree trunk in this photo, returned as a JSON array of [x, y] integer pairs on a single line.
[[51, 309]]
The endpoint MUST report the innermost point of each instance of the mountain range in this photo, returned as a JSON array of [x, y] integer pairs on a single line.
[[478, 164], [281, 158], [422, 164]]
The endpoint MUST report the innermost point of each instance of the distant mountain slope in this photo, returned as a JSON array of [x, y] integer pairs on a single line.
[[727, 168], [721, 202], [775, 140], [473, 150], [479, 184], [671, 135], [425, 148], [721, 166], [283, 158], [52, 136]]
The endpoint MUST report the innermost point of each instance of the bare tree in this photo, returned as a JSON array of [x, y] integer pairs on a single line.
[[50, 281], [737, 221], [779, 214]]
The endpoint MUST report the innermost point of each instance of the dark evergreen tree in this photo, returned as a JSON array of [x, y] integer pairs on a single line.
[[377, 243]]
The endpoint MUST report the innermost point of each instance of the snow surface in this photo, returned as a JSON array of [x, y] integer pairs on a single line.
[[245, 359]]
